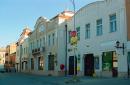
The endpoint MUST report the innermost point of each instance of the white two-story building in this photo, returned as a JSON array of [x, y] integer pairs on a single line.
[[103, 35]]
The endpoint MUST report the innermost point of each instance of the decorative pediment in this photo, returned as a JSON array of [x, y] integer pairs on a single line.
[[40, 23]]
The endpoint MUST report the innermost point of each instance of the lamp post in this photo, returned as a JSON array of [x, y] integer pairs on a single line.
[[75, 34], [120, 47]]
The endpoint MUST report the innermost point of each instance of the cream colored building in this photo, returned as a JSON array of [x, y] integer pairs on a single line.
[[103, 47], [47, 44], [21, 49], [2, 56]]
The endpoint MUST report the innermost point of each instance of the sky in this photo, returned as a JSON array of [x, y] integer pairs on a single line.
[[15, 15]]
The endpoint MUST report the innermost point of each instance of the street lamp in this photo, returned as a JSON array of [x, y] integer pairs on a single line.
[[74, 42], [120, 47], [123, 47]]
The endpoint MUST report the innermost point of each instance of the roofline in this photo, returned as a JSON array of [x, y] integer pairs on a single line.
[[92, 3], [61, 13]]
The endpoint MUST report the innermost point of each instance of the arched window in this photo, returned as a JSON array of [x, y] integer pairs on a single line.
[[41, 28]]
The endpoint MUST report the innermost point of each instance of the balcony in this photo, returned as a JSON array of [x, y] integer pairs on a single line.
[[42, 49], [37, 51], [24, 59]]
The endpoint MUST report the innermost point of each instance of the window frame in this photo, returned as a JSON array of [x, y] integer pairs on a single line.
[[99, 27], [113, 22], [87, 31]]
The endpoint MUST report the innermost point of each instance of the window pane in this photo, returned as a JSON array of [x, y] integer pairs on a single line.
[[99, 27], [113, 26], [69, 36], [87, 32], [78, 32], [53, 35]]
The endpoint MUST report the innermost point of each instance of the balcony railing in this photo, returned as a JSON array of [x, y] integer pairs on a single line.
[[24, 59], [38, 50]]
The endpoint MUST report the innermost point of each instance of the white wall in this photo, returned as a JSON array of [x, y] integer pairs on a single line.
[[106, 42]]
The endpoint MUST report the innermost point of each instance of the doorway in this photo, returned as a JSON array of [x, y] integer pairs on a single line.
[[71, 65], [51, 62], [88, 65], [128, 64], [110, 63]]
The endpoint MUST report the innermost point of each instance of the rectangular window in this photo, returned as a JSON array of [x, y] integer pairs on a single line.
[[43, 41], [96, 62], [53, 36], [69, 36], [37, 43], [26, 50], [87, 31], [40, 63], [40, 42], [78, 32], [113, 26], [23, 50], [99, 27], [22, 65], [33, 46], [49, 40], [50, 62], [32, 64]]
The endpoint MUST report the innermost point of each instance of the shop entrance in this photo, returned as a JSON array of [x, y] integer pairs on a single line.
[[71, 65], [110, 63], [88, 64], [128, 61]]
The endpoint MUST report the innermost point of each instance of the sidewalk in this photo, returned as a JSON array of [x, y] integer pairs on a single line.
[[94, 81]]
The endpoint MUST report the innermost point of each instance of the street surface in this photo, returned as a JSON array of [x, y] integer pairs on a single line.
[[28, 79]]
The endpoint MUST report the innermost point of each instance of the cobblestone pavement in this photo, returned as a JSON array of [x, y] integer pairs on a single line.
[[28, 79]]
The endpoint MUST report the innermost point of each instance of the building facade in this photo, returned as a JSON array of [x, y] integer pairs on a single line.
[[22, 50], [47, 45], [103, 47], [2, 56], [103, 39], [10, 56]]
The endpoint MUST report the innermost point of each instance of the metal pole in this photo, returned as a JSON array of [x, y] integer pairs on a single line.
[[74, 46], [73, 3], [66, 51]]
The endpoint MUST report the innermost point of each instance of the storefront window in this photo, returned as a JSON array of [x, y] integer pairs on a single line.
[[107, 61], [40, 63], [51, 62], [96, 62], [129, 63], [32, 64]]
